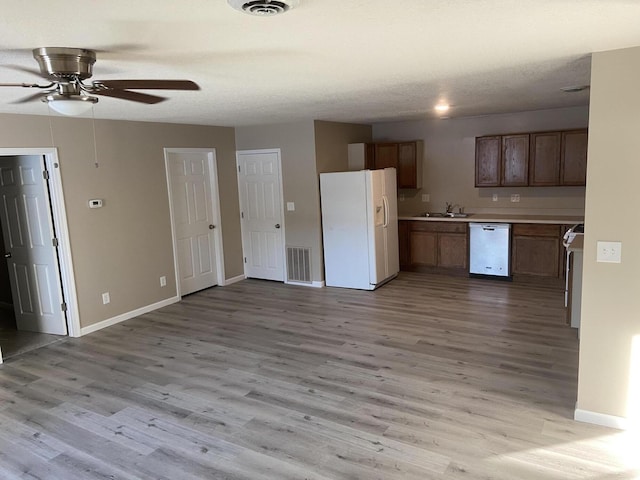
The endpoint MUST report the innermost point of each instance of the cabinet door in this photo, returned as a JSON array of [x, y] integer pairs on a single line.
[[515, 160], [386, 155], [537, 256], [370, 156], [407, 165], [423, 248], [403, 243], [544, 168], [574, 158], [452, 250], [488, 153]]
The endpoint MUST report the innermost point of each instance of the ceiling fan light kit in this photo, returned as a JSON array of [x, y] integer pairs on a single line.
[[70, 105], [263, 8]]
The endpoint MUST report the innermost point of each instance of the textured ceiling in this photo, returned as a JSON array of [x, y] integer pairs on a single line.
[[359, 61]]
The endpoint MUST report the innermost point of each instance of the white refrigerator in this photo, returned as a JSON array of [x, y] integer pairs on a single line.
[[359, 228]]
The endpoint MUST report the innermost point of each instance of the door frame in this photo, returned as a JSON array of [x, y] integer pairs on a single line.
[[58, 213], [215, 211], [278, 152]]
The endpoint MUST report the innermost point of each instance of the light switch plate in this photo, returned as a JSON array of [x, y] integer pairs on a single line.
[[426, 197], [291, 207], [609, 252]]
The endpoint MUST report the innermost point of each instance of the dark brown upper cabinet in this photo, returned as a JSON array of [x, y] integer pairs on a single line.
[[515, 160], [544, 166], [488, 157], [405, 157], [532, 159], [573, 160]]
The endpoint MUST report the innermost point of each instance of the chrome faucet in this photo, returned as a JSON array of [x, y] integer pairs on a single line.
[[450, 207]]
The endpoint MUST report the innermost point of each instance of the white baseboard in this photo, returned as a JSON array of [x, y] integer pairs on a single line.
[[304, 284], [602, 419], [232, 280], [126, 316]]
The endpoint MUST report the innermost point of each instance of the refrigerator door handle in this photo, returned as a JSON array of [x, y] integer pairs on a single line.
[[385, 203]]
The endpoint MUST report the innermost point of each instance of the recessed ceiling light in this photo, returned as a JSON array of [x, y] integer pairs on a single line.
[[574, 88], [442, 107]]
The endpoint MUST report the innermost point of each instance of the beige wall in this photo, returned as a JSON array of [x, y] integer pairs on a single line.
[[610, 299], [332, 139], [299, 181], [307, 148], [449, 163], [124, 247]]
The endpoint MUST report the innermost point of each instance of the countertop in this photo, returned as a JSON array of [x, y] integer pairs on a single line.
[[577, 244], [503, 218]]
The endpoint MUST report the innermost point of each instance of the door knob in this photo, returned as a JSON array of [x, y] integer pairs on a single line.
[[211, 227], [7, 255], [277, 225]]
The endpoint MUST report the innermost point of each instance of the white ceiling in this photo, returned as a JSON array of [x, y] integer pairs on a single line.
[[361, 61]]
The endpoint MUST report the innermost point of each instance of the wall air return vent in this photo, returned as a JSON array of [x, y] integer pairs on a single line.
[[263, 8], [299, 264]]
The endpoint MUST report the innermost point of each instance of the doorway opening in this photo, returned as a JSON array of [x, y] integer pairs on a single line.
[[38, 302]]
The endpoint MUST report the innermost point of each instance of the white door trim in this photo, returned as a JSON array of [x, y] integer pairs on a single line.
[[281, 193], [59, 215], [215, 209]]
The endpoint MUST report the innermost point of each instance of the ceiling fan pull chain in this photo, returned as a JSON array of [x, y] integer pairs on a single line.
[[95, 145], [51, 126]]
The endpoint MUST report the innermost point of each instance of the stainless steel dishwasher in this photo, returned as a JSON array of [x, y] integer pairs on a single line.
[[489, 249]]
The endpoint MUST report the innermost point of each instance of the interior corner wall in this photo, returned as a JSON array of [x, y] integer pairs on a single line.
[[449, 162], [124, 247], [609, 369], [300, 183], [332, 140]]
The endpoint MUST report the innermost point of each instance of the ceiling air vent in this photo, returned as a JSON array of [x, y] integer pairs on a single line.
[[263, 8]]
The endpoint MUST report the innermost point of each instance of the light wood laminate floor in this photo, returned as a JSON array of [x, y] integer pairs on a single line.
[[429, 377]]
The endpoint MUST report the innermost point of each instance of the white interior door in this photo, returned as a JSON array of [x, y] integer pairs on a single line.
[[30, 253], [260, 192], [194, 218]]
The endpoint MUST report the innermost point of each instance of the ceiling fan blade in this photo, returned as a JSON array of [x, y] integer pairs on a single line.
[[20, 68], [149, 84], [32, 98], [26, 85], [132, 96]]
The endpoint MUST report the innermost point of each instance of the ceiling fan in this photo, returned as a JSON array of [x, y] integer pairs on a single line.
[[66, 69]]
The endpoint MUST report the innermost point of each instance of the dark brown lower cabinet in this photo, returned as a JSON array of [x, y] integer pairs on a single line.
[[433, 246], [537, 253]]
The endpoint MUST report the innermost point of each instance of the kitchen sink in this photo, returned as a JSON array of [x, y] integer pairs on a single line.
[[444, 215]]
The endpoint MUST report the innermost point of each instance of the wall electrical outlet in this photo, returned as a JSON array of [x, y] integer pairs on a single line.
[[515, 197], [426, 197], [163, 281], [291, 207], [495, 197], [106, 298], [609, 252]]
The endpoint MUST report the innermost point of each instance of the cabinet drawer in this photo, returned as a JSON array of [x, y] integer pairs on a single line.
[[449, 227], [536, 230]]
